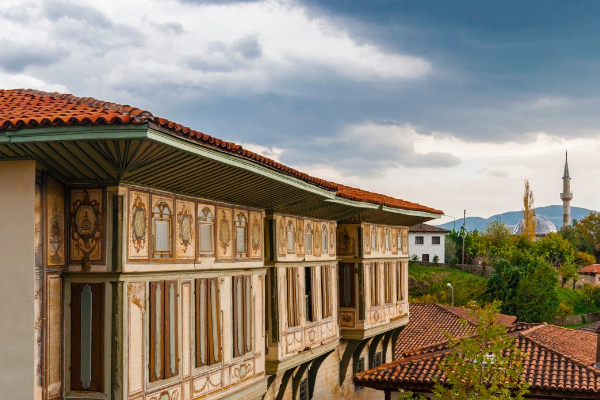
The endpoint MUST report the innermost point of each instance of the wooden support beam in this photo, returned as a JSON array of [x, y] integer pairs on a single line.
[[287, 375], [298, 378], [395, 340], [312, 373], [373, 348], [385, 344], [353, 350]]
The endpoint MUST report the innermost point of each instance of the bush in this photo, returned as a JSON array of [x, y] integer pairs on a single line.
[[565, 308], [414, 258], [436, 259]]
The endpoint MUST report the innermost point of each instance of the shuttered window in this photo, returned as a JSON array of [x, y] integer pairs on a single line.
[[87, 337], [242, 317], [346, 285], [374, 272], [326, 306], [388, 282], [400, 277], [164, 352], [208, 322], [292, 297]]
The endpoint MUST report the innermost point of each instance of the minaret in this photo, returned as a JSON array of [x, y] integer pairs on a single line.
[[566, 195]]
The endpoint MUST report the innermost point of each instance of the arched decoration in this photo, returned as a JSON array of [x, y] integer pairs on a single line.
[[206, 231], [309, 239], [394, 241], [291, 237], [300, 237], [241, 236], [281, 242], [382, 241], [367, 235], [374, 238], [324, 238], [317, 240], [332, 239], [162, 216], [388, 239], [256, 235]]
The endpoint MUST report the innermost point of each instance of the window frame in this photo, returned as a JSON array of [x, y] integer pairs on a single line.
[[326, 295], [205, 329], [400, 281], [240, 222], [308, 240], [420, 239], [349, 289], [206, 218], [310, 303], [388, 287], [324, 239], [241, 309], [167, 328], [388, 239], [291, 230], [292, 297], [374, 280], [161, 216], [439, 241], [373, 238]]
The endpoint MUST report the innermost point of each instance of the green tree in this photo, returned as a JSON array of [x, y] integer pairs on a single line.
[[555, 249], [449, 249], [590, 231], [503, 285], [537, 299], [566, 272], [575, 237], [487, 365], [494, 242]]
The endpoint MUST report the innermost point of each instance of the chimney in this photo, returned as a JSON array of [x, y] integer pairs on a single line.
[[598, 348]]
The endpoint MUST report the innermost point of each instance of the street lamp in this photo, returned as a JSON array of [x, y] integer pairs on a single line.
[[450, 286]]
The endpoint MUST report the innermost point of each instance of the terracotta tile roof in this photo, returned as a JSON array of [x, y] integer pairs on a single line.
[[594, 328], [429, 321], [558, 361], [22, 109], [590, 269], [427, 228]]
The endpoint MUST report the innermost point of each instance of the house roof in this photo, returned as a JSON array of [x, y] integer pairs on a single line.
[[26, 108], [590, 269], [594, 328], [427, 228], [558, 362], [429, 321]]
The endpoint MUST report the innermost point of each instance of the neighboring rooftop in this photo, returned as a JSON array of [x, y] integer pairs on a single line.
[[593, 328], [25, 109], [427, 228], [559, 363], [429, 321], [590, 269]]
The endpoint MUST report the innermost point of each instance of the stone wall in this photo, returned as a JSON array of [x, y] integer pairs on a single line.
[[578, 319], [484, 270]]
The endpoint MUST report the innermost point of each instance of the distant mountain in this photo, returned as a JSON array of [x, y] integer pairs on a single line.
[[512, 218]]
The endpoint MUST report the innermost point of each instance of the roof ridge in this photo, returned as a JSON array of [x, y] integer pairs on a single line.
[[137, 114], [446, 307]]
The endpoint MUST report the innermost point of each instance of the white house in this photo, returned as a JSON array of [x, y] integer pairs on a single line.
[[426, 242]]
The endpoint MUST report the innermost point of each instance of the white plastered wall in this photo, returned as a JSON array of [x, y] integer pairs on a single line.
[[426, 247], [17, 259]]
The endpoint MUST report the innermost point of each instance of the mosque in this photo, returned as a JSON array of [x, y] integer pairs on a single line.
[[543, 226]]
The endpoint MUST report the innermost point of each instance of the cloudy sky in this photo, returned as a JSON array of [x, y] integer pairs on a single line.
[[449, 104]]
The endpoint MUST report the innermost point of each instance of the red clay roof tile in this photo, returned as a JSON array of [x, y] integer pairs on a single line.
[[22, 109], [590, 269]]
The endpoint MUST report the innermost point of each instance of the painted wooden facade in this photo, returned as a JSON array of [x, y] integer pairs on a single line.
[[165, 269]]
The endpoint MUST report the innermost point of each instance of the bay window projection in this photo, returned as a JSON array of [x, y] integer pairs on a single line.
[[293, 309], [291, 238], [208, 322], [87, 337], [326, 304], [163, 234], [388, 278], [242, 315], [374, 278], [309, 240], [400, 277], [346, 285], [241, 236], [308, 294], [206, 232], [164, 352]]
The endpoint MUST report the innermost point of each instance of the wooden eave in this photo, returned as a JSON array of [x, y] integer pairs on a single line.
[[148, 156]]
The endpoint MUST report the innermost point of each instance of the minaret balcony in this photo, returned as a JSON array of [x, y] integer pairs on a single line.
[[566, 196]]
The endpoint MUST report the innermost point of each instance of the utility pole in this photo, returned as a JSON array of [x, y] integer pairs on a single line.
[[464, 232]]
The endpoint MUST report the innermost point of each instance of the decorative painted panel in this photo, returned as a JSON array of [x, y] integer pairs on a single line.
[[186, 329], [37, 296], [367, 238], [317, 240], [405, 240], [242, 371], [136, 297], [241, 229], [55, 224], [347, 241], [281, 242], [347, 318], [207, 383], [224, 233], [381, 239], [186, 391], [300, 237], [54, 345], [139, 224], [170, 393], [395, 241], [256, 235], [332, 237], [87, 227], [185, 244]]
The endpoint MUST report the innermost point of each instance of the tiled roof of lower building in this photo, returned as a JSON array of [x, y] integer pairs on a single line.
[[427, 228], [590, 269], [23, 109], [558, 362]]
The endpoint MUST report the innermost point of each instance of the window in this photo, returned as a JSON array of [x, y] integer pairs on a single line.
[[242, 318], [309, 239], [291, 238], [360, 367], [308, 294], [373, 238], [399, 281], [377, 359], [389, 282], [435, 240], [87, 328], [374, 270], [164, 360], [419, 240], [206, 229], [241, 237], [388, 240], [346, 285], [303, 390], [292, 297], [324, 236], [425, 257], [399, 238], [326, 311], [161, 219], [208, 322]]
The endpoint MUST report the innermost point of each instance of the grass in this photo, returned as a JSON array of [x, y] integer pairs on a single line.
[[573, 326], [580, 305]]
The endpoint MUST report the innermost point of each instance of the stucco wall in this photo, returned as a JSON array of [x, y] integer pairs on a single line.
[[426, 247], [17, 230]]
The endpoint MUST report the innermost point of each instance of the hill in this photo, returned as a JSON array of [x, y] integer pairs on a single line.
[[511, 218]]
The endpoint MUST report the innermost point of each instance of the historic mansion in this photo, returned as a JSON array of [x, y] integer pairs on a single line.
[[144, 260]]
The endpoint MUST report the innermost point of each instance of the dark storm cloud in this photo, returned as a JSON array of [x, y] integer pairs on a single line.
[[16, 58]]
